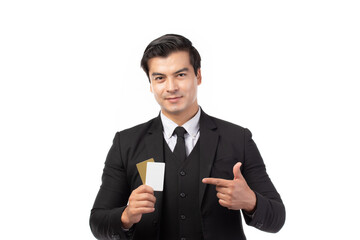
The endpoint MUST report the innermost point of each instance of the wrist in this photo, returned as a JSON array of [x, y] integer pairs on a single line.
[[125, 222], [250, 209]]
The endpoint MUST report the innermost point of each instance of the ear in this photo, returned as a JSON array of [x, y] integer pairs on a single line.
[[198, 76]]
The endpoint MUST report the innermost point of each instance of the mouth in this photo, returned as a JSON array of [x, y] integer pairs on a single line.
[[173, 99]]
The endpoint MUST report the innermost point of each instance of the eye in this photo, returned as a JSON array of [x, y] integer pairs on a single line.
[[159, 78], [181, 75]]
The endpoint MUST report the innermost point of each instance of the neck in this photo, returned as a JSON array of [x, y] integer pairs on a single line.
[[181, 118]]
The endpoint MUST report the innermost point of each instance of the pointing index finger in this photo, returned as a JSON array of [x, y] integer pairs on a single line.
[[215, 181]]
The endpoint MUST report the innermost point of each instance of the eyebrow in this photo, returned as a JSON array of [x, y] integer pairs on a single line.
[[182, 70], [185, 69], [156, 74]]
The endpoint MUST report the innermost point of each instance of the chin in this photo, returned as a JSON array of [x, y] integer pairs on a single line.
[[174, 110]]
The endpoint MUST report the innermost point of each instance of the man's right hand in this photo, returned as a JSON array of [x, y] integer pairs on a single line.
[[141, 200]]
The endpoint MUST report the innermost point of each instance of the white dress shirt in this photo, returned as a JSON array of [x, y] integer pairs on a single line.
[[191, 136]]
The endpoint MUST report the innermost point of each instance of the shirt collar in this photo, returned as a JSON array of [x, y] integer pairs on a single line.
[[192, 126]]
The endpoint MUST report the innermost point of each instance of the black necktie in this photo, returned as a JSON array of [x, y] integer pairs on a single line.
[[179, 150]]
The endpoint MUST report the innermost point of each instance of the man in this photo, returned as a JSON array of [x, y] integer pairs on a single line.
[[213, 168]]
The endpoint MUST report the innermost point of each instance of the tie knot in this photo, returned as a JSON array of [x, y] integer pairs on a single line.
[[180, 131]]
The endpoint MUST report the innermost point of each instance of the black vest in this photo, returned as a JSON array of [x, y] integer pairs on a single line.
[[181, 218]]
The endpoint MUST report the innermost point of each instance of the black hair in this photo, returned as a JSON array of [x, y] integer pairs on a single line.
[[167, 44]]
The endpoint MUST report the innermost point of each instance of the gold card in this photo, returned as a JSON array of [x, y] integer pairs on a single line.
[[141, 166]]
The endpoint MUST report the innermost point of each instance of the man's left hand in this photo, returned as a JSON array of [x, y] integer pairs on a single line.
[[234, 194]]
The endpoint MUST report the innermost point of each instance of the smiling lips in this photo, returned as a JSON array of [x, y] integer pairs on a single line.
[[173, 99]]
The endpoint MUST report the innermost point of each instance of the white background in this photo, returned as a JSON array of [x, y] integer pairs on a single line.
[[70, 78]]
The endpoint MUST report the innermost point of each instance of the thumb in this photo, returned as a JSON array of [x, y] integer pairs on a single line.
[[237, 172]]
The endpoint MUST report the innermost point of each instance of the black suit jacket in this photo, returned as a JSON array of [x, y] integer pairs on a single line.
[[222, 145]]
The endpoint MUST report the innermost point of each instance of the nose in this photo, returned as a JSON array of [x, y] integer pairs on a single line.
[[171, 85]]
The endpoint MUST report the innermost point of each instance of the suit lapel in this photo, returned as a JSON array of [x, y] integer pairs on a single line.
[[208, 144], [154, 141]]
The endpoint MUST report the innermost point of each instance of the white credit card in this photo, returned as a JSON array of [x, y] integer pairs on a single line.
[[155, 172]]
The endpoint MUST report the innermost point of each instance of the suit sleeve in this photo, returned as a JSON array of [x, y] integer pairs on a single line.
[[112, 198], [269, 215]]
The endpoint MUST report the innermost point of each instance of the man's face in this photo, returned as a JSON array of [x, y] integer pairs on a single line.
[[174, 83]]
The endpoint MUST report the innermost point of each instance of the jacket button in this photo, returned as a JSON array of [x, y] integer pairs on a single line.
[[258, 225], [182, 217], [182, 173], [115, 236], [182, 195], [182, 238]]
